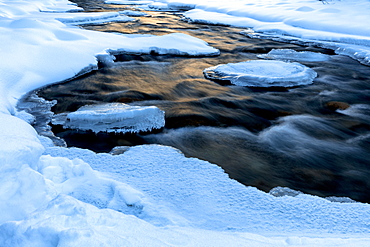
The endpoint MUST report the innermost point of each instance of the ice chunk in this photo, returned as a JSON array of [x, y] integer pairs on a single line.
[[115, 117], [159, 6], [258, 73], [128, 2], [133, 13], [289, 54], [284, 191], [340, 199], [188, 5]]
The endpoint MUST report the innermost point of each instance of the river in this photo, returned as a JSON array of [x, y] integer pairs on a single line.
[[313, 138]]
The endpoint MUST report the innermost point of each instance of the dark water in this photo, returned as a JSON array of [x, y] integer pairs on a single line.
[[262, 137]]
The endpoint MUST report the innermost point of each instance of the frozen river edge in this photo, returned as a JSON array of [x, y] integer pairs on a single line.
[[62, 201]]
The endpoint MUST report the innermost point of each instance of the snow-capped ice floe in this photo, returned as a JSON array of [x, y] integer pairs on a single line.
[[292, 55], [262, 73], [128, 2], [174, 43], [133, 13], [157, 6], [114, 117]]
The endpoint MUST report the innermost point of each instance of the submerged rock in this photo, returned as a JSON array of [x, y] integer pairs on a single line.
[[262, 73]]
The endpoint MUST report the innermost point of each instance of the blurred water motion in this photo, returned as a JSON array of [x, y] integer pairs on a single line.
[[305, 138]]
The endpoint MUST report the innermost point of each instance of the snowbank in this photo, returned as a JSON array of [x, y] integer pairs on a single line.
[[341, 23], [150, 195]]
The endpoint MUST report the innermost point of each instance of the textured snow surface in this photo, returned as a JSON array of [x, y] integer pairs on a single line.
[[339, 25], [153, 195], [262, 73], [191, 192], [115, 117]]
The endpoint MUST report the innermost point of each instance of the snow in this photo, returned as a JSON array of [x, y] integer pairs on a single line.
[[213, 201], [262, 73], [129, 2], [292, 55], [339, 25], [153, 195], [113, 117]]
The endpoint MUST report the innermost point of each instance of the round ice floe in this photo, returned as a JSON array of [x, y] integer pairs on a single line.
[[115, 117], [262, 73], [292, 55]]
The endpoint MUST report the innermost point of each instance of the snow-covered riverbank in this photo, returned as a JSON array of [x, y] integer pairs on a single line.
[[150, 195]]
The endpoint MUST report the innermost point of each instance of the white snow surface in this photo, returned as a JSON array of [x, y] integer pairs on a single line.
[[152, 195], [115, 117], [262, 73]]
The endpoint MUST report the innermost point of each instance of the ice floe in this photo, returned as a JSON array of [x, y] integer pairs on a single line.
[[262, 73], [133, 13], [128, 2], [113, 117], [292, 55]]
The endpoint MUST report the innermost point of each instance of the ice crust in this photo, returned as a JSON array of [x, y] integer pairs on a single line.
[[153, 195], [262, 73], [115, 117]]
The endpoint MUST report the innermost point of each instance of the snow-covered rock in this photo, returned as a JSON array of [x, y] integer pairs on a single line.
[[114, 117], [262, 73]]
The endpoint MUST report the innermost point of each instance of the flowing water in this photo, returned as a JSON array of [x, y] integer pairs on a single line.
[[314, 138]]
